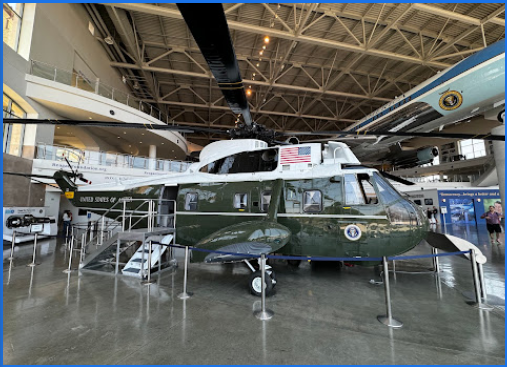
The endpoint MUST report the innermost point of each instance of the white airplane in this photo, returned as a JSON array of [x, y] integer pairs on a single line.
[[473, 87]]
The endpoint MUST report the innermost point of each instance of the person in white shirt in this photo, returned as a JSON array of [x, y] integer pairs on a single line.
[[67, 218]]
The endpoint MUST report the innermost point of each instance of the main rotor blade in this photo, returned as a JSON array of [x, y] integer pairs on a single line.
[[399, 133], [396, 178], [209, 27], [123, 125]]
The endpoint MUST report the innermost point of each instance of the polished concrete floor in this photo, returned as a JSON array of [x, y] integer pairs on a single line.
[[323, 315]]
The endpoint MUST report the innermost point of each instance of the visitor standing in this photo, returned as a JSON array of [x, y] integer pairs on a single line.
[[493, 223]]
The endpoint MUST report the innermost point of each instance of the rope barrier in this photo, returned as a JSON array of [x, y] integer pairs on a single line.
[[322, 258]]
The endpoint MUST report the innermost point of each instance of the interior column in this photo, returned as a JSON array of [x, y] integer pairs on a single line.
[[499, 154]]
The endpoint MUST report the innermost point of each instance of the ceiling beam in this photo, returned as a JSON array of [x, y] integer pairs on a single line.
[[145, 67], [272, 113], [253, 59], [457, 16], [256, 29]]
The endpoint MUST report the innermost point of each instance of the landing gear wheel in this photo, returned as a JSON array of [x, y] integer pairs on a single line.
[[294, 263], [256, 281]]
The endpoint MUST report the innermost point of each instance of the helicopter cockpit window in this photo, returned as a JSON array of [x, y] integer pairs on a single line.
[[370, 196], [265, 200], [359, 190], [246, 162], [387, 193], [191, 201], [312, 201], [240, 201], [353, 195]]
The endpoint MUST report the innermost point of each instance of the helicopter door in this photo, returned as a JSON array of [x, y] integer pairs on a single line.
[[166, 206], [358, 232]]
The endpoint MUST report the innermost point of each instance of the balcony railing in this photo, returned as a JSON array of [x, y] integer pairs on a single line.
[[73, 79], [57, 153]]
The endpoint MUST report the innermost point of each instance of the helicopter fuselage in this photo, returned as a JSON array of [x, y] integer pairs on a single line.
[[331, 205]]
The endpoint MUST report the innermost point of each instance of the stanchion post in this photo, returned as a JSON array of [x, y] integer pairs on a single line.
[[33, 263], [123, 215], [103, 225], [149, 280], [12, 246], [477, 285], [483, 283], [185, 294], [264, 313], [67, 236], [436, 264], [388, 319], [68, 270]]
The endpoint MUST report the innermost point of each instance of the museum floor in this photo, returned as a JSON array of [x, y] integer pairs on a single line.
[[323, 315]]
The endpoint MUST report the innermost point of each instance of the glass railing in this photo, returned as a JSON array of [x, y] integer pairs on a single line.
[[73, 79], [58, 153]]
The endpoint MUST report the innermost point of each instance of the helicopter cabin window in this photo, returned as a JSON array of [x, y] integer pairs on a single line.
[[312, 201], [359, 190], [387, 193], [191, 201], [265, 200], [291, 194], [428, 201], [240, 201], [245, 162]]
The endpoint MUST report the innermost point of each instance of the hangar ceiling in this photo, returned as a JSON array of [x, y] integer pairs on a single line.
[[325, 65]]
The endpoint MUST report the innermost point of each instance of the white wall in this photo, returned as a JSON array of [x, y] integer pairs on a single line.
[[61, 31]]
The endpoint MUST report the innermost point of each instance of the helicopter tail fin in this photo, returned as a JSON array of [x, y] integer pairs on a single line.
[[65, 183]]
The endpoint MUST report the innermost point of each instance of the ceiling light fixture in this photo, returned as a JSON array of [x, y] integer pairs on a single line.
[[266, 39], [261, 52], [109, 40]]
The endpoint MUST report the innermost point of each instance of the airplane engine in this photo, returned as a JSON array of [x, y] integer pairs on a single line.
[[426, 155], [408, 159]]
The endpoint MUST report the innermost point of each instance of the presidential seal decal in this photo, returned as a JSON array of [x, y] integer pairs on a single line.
[[450, 100], [352, 232]]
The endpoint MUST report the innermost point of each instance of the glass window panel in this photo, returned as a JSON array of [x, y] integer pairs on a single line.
[[265, 200], [17, 8], [353, 195], [240, 201], [367, 188], [191, 201], [6, 103], [312, 201], [386, 191], [17, 111], [15, 139], [12, 24]]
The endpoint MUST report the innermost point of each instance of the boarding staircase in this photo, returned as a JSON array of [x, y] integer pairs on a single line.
[[123, 244]]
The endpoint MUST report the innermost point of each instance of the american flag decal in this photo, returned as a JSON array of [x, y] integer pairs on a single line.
[[296, 155]]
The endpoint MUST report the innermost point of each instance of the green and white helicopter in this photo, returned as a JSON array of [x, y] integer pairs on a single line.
[[250, 196]]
